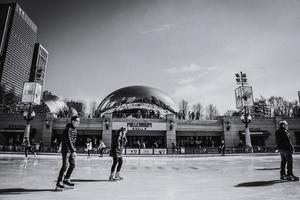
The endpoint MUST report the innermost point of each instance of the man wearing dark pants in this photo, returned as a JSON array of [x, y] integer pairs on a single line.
[[68, 151], [286, 150]]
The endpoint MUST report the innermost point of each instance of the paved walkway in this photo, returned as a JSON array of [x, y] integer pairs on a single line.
[[158, 178]]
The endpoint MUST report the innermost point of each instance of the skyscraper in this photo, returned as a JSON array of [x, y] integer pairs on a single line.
[[17, 36], [39, 64]]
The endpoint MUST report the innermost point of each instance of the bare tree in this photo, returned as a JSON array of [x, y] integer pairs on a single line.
[[281, 107], [183, 106], [296, 110], [198, 110], [231, 113], [211, 112]]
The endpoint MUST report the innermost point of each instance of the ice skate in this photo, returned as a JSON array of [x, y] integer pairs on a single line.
[[283, 177], [59, 186], [292, 178], [118, 177], [68, 184], [112, 178]]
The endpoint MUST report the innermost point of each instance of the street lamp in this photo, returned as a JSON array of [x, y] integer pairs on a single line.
[[47, 123], [171, 124], [228, 125], [32, 95], [106, 124], [244, 99], [28, 116]]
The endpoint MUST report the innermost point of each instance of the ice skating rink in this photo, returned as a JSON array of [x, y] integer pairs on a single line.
[[246, 177]]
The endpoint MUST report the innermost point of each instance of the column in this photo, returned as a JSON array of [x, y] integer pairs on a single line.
[[107, 129], [171, 130]]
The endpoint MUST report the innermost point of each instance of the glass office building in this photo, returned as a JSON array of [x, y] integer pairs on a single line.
[[17, 36]]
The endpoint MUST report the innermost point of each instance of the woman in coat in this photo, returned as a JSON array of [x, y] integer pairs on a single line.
[[118, 144]]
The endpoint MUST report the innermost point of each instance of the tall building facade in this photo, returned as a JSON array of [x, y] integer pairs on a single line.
[[39, 65], [17, 36]]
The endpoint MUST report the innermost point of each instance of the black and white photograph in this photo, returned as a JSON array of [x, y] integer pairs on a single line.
[[149, 99]]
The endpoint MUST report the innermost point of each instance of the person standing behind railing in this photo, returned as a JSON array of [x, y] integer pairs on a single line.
[[222, 147], [101, 148], [89, 146]]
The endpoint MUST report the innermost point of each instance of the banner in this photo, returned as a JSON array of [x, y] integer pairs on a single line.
[[243, 96], [132, 151], [140, 126], [160, 151], [146, 151], [32, 93]]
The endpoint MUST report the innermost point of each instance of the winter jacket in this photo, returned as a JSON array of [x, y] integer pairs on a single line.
[[69, 139], [283, 140]]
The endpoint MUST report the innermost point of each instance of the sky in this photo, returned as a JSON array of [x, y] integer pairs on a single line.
[[190, 49]]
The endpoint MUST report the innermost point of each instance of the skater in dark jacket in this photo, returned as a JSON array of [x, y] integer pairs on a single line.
[[119, 141], [286, 150], [28, 147], [68, 151]]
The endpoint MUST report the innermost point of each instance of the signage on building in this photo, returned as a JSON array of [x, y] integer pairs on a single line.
[[32, 93], [160, 151], [146, 151], [243, 96], [132, 151], [140, 126]]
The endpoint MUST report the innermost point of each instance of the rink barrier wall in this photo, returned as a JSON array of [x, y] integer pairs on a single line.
[[157, 151]]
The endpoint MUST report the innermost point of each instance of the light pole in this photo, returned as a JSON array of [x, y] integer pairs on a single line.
[[244, 98], [28, 116], [32, 92]]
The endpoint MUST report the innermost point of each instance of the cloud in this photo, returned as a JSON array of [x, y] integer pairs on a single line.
[[206, 88], [185, 81], [185, 91], [158, 29], [189, 68], [231, 49]]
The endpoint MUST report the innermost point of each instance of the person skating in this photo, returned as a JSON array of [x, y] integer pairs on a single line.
[[119, 141], [286, 150], [28, 147], [68, 151]]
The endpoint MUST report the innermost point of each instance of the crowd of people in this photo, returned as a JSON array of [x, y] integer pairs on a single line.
[[139, 114]]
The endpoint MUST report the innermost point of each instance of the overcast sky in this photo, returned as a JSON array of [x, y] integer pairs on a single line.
[[190, 49]]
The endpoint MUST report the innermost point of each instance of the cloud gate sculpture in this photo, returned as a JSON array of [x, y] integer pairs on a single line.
[[136, 101]]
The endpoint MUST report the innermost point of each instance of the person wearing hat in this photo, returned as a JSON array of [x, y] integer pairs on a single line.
[[286, 150]]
